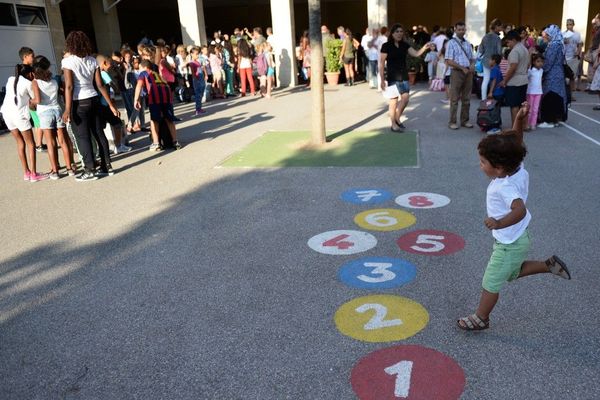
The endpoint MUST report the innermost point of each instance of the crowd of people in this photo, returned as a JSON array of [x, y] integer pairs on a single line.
[[76, 110]]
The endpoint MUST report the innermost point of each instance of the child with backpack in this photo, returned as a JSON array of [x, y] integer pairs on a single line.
[[46, 90], [261, 68], [15, 111], [160, 104]]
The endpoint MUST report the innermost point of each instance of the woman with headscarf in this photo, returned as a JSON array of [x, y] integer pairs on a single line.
[[554, 101]]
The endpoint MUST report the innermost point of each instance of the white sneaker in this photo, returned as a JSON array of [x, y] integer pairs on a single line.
[[545, 125], [114, 150], [124, 149]]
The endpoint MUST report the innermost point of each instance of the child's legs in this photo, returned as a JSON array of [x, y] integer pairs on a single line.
[[487, 302], [263, 83], [250, 78], [154, 131], [66, 146], [534, 104], [21, 146], [199, 87], [50, 136], [172, 129], [117, 134], [486, 81], [243, 80], [98, 135]]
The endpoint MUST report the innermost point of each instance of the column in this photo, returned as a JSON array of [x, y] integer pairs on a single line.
[[282, 20], [106, 28], [577, 10], [475, 19], [377, 13], [57, 32], [191, 17]]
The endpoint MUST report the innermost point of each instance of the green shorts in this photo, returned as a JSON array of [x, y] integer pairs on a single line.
[[34, 118], [505, 263]]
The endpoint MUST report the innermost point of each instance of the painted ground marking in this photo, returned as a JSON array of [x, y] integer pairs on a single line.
[[407, 372], [431, 242], [342, 242], [366, 196], [422, 200], [377, 273], [381, 318], [384, 219]]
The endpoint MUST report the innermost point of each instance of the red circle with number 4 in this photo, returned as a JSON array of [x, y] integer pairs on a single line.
[[431, 242], [407, 372]]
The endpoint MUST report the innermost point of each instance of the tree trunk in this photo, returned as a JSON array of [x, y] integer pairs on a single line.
[[316, 75]]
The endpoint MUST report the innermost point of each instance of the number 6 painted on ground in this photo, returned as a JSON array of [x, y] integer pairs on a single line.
[[381, 219], [433, 240]]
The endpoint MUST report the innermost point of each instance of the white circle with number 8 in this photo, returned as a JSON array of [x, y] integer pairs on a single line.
[[342, 242], [384, 219], [422, 200]]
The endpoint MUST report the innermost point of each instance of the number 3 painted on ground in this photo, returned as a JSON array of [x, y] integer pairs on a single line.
[[380, 269]]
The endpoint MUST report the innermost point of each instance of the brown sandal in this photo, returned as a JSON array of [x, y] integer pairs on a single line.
[[558, 267], [473, 323]]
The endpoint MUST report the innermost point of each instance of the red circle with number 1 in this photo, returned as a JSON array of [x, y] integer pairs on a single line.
[[431, 242], [407, 372]]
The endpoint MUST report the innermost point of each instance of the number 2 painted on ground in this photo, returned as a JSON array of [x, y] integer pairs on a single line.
[[433, 243], [403, 372], [380, 269], [378, 320]]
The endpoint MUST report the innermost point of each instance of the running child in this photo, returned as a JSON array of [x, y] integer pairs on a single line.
[[46, 90], [15, 111], [160, 103], [501, 159], [534, 89]]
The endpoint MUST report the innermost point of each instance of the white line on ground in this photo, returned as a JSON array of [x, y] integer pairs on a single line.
[[580, 133], [584, 116]]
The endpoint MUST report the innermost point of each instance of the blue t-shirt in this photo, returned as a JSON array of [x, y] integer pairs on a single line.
[[496, 74]]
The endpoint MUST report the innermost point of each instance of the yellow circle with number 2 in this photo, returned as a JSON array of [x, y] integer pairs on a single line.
[[381, 318], [384, 219]]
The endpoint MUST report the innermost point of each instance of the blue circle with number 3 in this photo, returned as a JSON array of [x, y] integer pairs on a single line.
[[377, 273], [366, 196]]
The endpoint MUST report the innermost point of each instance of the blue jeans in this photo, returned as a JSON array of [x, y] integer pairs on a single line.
[[372, 73], [199, 87], [127, 96]]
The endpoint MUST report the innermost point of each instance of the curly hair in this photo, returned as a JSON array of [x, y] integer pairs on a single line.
[[78, 43], [503, 151]]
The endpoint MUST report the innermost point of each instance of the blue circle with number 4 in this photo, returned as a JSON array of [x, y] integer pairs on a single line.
[[377, 273], [366, 196]]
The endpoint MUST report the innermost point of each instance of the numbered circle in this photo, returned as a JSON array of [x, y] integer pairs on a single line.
[[342, 242], [431, 242], [422, 200], [366, 196], [407, 372], [381, 318], [377, 273], [384, 219]]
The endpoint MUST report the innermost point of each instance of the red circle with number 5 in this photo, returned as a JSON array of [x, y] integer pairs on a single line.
[[407, 372], [431, 242]]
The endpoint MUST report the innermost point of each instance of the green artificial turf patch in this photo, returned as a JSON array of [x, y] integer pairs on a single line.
[[352, 149]]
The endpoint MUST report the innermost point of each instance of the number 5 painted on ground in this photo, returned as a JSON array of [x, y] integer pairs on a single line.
[[433, 240], [379, 268], [403, 371]]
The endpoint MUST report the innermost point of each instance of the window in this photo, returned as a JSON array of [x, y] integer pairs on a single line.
[[30, 15], [7, 15]]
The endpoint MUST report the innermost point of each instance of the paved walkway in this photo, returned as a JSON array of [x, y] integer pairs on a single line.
[[177, 279]]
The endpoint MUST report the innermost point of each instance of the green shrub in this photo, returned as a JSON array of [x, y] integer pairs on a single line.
[[332, 56]]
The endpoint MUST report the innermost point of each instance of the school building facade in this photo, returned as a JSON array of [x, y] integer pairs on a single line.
[[42, 24]]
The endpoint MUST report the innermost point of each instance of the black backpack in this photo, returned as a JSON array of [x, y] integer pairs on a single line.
[[489, 115]]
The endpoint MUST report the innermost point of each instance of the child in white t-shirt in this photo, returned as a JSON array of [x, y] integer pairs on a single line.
[[501, 159], [534, 89]]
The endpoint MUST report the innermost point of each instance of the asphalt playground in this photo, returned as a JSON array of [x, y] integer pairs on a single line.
[[178, 278]]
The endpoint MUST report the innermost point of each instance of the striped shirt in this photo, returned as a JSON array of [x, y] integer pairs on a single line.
[[462, 57], [158, 90]]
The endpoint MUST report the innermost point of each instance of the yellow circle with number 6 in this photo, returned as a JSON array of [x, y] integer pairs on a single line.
[[384, 219], [381, 318]]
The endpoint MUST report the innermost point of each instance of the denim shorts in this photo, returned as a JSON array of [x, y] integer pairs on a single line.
[[51, 118], [403, 86], [505, 263]]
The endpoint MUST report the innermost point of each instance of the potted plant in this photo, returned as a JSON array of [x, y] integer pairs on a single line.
[[412, 63], [333, 65]]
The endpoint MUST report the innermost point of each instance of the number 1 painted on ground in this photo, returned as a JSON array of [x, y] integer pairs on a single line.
[[403, 371]]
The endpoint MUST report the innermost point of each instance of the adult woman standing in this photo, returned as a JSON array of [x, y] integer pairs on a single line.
[[347, 57], [554, 100], [81, 73], [394, 53]]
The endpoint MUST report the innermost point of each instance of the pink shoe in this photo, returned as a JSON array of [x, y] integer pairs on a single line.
[[26, 176], [35, 177]]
